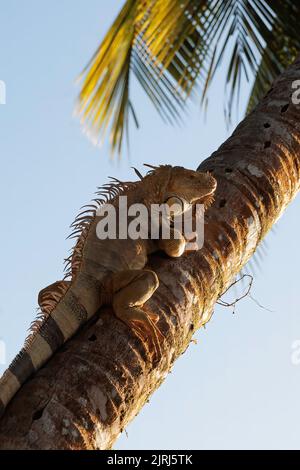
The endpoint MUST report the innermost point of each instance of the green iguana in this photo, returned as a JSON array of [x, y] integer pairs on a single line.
[[110, 271]]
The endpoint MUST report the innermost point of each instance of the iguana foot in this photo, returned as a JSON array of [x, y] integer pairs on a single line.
[[174, 246], [132, 289]]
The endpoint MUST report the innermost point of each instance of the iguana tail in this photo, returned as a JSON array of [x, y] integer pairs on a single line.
[[51, 333]]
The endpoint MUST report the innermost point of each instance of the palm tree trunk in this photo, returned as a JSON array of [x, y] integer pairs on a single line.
[[91, 389]]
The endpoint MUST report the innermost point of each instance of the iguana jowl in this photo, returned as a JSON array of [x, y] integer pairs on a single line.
[[108, 271]]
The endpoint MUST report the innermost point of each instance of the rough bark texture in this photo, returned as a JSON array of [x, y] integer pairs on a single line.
[[91, 389]]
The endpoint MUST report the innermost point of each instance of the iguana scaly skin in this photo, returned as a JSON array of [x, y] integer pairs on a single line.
[[107, 271]]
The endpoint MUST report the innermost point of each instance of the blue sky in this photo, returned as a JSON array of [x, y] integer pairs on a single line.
[[237, 388]]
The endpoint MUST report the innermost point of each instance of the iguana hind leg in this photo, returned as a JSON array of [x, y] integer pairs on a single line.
[[132, 290]]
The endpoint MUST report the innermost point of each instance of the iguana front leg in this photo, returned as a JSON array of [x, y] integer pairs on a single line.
[[173, 246], [132, 289]]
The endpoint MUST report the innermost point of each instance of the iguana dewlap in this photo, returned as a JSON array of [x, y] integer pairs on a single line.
[[107, 271]]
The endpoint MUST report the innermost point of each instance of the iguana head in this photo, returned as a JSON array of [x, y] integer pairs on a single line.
[[177, 185], [188, 187]]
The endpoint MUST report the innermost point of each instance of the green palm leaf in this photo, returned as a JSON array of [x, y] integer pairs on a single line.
[[174, 48]]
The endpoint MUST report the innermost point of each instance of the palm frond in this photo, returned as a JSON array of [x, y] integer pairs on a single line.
[[104, 97], [280, 51], [148, 39], [174, 49]]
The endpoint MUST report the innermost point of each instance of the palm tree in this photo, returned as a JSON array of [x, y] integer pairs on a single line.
[[174, 48], [96, 384]]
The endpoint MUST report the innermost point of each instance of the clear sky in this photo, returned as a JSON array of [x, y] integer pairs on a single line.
[[238, 388]]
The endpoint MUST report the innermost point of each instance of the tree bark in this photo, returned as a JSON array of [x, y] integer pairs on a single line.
[[94, 386]]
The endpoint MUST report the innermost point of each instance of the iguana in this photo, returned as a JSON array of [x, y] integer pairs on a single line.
[[108, 271]]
